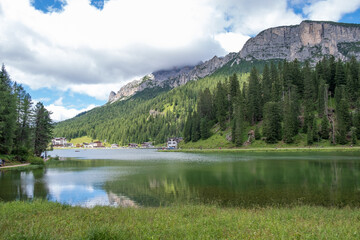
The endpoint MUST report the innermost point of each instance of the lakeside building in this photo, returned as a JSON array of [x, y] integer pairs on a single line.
[[96, 144], [59, 142], [132, 145], [147, 145]]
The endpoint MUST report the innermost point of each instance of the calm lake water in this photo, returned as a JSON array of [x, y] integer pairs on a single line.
[[134, 177]]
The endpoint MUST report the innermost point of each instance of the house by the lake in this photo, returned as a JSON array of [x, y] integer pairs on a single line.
[[132, 145], [59, 142], [147, 145], [96, 144]]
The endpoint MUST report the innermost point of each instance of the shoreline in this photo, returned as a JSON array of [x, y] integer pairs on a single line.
[[269, 149]]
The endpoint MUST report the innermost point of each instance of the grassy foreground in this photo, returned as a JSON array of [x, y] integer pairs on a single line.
[[46, 220]]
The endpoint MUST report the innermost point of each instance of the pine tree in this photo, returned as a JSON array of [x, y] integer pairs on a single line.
[[276, 86], [42, 129], [234, 91], [204, 128], [221, 105], [266, 85], [7, 113], [204, 104], [340, 74], [254, 97], [195, 131], [187, 129], [272, 122], [343, 121], [324, 132], [290, 115], [257, 133]]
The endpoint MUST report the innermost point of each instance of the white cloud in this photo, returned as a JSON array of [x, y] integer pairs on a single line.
[[88, 51], [59, 101], [330, 10], [60, 113], [231, 42]]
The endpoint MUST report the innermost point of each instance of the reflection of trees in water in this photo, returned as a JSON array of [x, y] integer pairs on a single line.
[[244, 183], [23, 185]]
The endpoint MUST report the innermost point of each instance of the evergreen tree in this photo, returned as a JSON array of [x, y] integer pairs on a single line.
[[234, 91], [187, 129], [353, 135], [257, 133], [7, 113], [42, 129], [340, 74], [204, 128], [195, 131], [343, 121], [266, 85], [239, 121], [291, 112], [276, 86], [321, 97], [221, 104], [324, 132], [254, 97], [204, 104], [272, 122]]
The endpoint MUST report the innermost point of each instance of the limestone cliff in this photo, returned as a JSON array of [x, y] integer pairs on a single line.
[[309, 40]]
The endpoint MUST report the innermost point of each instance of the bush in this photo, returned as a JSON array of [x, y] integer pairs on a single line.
[[35, 160]]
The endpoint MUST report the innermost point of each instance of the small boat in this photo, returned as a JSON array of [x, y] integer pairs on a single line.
[[77, 150]]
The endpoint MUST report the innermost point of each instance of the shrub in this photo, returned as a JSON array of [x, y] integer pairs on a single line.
[[35, 160]]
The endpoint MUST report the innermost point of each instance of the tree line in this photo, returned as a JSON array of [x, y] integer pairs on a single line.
[[25, 129], [321, 101]]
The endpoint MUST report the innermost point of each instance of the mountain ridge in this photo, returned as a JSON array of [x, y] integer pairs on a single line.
[[309, 40]]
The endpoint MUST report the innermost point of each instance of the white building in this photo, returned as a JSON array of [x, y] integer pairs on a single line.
[[172, 143], [59, 141]]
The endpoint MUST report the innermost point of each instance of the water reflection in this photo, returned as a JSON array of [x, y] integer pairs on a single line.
[[326, 179]]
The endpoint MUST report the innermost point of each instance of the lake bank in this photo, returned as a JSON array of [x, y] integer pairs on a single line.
[[45, 220], [272, 149]]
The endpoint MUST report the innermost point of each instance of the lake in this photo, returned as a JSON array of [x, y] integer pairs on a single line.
[[145, 177]]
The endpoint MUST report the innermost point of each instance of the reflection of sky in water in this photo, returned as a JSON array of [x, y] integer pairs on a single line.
[[27, 183], [80, 195]]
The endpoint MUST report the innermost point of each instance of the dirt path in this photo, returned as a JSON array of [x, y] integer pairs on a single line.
[[19, 165]]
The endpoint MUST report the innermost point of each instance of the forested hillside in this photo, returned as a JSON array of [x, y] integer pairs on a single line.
[[288, 99], [151, 115], [278, 99]]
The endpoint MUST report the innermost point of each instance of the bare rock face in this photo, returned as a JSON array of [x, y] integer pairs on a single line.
[[308, 41]]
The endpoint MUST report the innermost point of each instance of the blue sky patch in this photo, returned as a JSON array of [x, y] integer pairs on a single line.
[[47, 6], [69, 99]]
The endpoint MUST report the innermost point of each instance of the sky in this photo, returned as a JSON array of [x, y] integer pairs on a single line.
[[69, 54]]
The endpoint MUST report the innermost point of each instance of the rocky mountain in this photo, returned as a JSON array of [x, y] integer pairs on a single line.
[[310, 40], [171, 78]]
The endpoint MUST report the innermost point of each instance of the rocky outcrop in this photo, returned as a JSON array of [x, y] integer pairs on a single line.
[[171, 78], [308, 41]]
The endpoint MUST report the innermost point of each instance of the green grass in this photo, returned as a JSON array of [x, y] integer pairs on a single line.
[[45, 220], [86, 139]]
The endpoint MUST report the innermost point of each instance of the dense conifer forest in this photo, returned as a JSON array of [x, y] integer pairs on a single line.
[[25, 130], [277, 100]]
